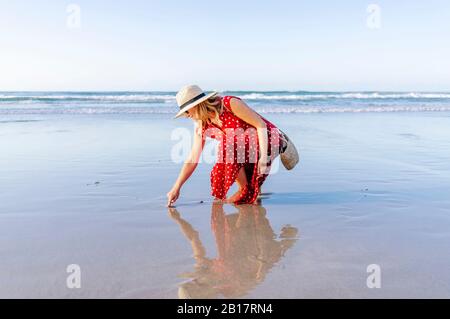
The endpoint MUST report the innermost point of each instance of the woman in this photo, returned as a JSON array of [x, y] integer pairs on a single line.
[[248, 143]]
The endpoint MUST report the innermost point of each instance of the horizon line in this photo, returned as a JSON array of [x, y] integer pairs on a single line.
[[228, 90]]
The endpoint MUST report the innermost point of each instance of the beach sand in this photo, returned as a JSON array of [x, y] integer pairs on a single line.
[[89, 190]]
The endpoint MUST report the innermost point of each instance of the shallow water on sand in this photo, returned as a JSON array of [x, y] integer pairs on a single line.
[[90, 190]]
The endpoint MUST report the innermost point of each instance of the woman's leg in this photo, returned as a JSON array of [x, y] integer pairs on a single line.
[[241, 180]]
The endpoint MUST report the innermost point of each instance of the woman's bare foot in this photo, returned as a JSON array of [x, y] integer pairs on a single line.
[[233, 198], [241, 181]]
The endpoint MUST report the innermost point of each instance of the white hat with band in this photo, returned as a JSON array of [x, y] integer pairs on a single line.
[[189, 96]]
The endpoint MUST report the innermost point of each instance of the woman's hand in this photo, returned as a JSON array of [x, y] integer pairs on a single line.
[[172, 196], [263, 166]]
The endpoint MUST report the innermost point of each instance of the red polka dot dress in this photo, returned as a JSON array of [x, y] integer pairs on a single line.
[[238, 147]]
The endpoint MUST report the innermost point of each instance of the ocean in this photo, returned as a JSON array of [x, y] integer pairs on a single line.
[[264, 102]]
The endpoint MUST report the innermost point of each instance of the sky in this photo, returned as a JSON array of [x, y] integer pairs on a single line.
[[138, 45]]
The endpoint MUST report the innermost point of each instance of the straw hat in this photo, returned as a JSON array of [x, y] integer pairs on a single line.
[[189, 96], [289, 157]]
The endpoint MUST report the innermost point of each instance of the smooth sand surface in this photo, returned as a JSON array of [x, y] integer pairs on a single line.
[[90, 190]]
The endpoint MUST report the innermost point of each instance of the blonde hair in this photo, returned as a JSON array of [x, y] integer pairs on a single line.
[[209, 111]]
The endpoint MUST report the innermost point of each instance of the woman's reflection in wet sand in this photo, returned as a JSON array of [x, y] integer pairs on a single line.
[[247, 248]]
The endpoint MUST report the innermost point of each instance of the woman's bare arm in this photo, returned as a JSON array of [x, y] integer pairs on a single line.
[[189, 165], [244, 112]]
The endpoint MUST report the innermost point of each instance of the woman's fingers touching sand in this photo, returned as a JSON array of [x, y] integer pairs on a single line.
[[172, 197]]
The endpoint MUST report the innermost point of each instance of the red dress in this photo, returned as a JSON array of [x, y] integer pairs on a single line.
[[237, 150]]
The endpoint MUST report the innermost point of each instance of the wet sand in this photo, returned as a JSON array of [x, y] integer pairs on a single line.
[[90, 190]]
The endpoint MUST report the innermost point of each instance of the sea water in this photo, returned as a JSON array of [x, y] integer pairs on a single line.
[[263, 102]]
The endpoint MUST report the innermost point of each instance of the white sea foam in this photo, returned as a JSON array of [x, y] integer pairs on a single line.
[[87, 97], [359, 96], [262, 110], [263, 102], [255, 96], [380, 109]]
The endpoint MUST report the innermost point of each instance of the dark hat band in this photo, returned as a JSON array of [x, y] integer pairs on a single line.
[[198, 97]]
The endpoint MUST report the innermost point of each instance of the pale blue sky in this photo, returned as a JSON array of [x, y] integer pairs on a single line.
[[226, 45]]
